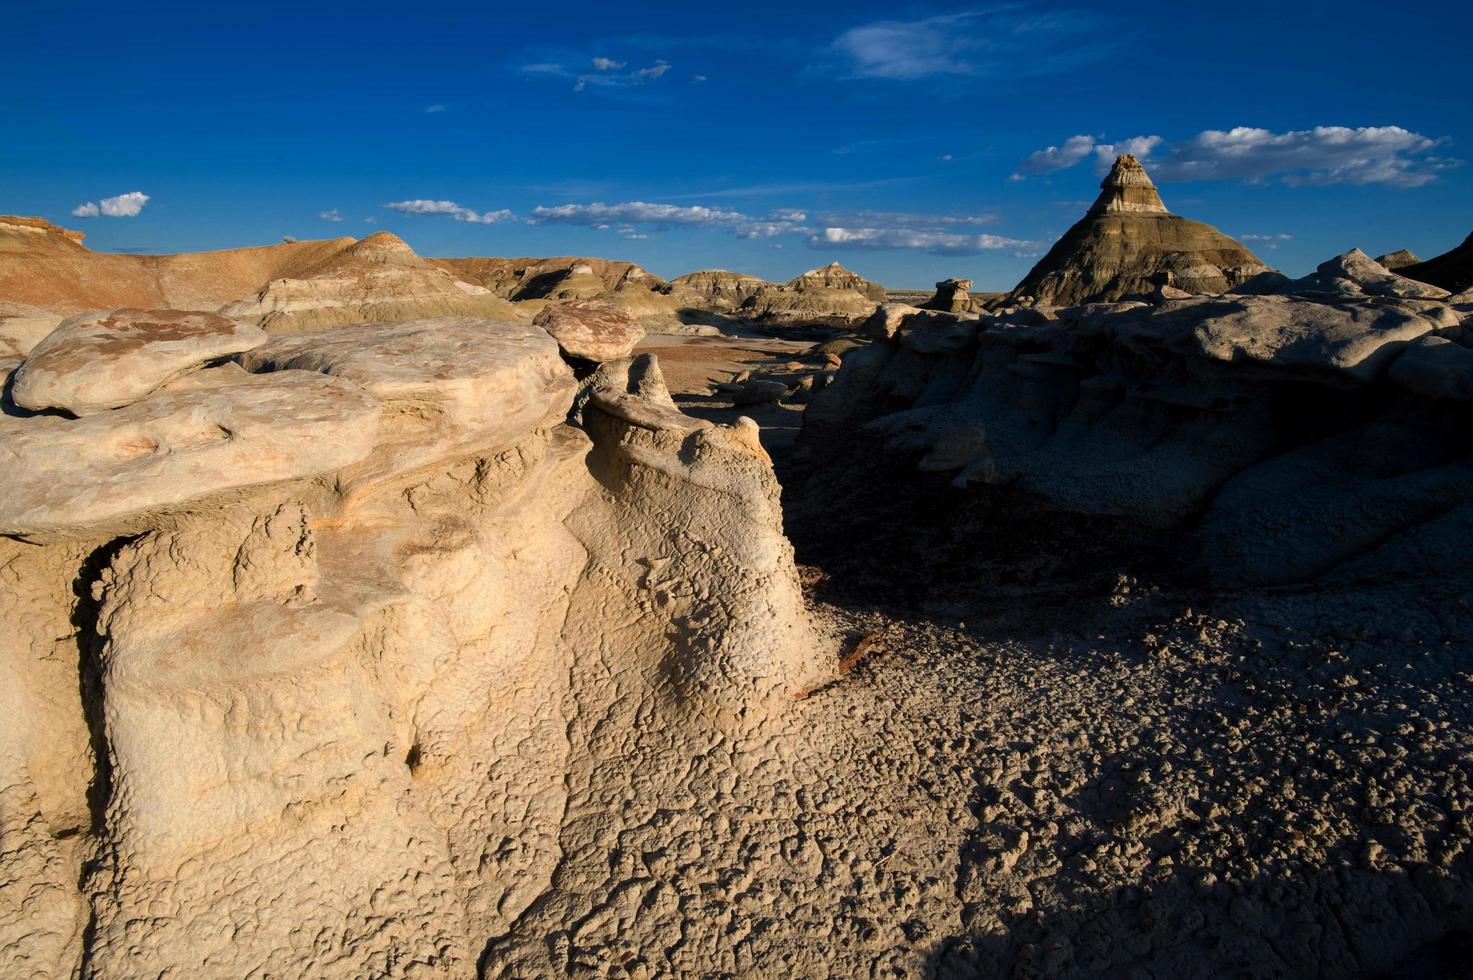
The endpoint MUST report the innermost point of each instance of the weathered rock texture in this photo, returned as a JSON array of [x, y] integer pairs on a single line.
[[99, 361], [298, 658], [952, 296], [1282, 434], [592, 330], [1399, 259], [1128, 244]]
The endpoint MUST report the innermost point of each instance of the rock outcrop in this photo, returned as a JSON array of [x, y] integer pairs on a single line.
[[342, 620], [1285, 435], [720, 289], [1128, 244]]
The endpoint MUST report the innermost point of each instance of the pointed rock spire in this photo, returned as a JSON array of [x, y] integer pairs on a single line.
[[1128, 189]]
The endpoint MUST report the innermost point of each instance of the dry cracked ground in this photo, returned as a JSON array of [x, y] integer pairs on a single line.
[[1054, 763]]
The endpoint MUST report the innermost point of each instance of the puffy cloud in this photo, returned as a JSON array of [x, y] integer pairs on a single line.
[[123, 206], [1387, 155], [1001, 41], [423, 206], [938, 242], [634, 212], [606, 64], [333, 215]]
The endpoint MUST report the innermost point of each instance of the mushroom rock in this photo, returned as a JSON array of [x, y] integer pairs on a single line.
[[952, 296], [1129, 243]]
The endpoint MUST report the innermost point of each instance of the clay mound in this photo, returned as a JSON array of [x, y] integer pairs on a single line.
[[1129, 244], [537, 278], [1399, 259], [720, 289], [377, 279], [1452, 270], [830, 295], [48, 268]]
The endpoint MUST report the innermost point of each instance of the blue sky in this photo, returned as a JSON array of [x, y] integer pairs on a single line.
[[908, 142]]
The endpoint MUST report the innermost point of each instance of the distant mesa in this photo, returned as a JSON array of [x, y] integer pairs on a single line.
[[1129, 244]]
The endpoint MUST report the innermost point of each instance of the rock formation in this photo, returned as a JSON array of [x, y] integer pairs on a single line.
[[1128, 244], [829, 295], [952, 296], [1252, 425], [1452, 270], [341, 616], [720, 289]]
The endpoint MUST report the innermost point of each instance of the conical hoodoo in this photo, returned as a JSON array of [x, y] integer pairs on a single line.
[[1129, 243]]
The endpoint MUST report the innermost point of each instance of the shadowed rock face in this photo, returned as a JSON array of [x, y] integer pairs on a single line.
[[1287, 436], [1128, 244], [1452, 270]]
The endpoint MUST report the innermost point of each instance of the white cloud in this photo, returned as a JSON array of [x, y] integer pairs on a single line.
[[1000, 41], [333, 215], [939, 242], [1323, 155], [1265, 238], [606, 64], [1051, 158], [123, 206], [424, 206], [857, 229], [634, 212], [607, 76], [659, 68], [698, 78], [437, 107]]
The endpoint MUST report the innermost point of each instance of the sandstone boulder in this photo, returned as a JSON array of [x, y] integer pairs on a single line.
[[885, 322], [1356, 273], [1436, 368], [171, 449], [449, 385], [99, 361], [591, 330]]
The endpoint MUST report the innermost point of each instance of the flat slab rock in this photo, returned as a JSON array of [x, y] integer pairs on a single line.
[[449, 385], [594, 330], [59, 474], [99, 361]]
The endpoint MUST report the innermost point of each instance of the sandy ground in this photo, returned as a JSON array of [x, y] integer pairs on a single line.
[[1053, 764]]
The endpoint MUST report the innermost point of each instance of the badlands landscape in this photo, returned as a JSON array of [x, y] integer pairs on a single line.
[[372, 614]]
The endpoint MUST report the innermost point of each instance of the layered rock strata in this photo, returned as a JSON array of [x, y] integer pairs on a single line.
[[1129, 244]]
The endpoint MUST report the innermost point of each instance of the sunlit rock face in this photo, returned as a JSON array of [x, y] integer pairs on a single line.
[[1128, 244], [304, 646]]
